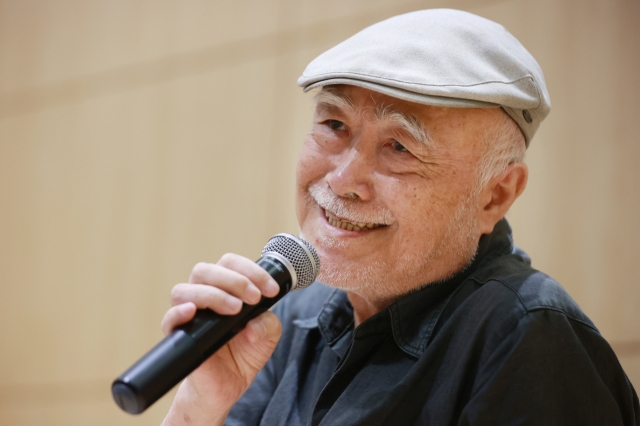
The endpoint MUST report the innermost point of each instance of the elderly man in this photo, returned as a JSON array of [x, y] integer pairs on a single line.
[[430, 314]]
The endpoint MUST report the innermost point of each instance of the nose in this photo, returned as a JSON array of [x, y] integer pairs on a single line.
[[353, 174]]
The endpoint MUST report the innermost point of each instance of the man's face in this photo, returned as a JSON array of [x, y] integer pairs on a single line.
[[385, 190]]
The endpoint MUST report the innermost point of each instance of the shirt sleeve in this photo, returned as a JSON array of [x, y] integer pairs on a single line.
[[551, 370]]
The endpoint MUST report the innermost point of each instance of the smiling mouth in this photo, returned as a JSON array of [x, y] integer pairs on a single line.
[[349, 226]]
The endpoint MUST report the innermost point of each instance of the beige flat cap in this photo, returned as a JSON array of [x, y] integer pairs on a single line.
[[439, 57]]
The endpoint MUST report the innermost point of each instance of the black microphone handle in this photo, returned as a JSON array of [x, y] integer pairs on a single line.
[[188, 346]]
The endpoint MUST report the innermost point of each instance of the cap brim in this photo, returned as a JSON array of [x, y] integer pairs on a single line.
[[441, 101]]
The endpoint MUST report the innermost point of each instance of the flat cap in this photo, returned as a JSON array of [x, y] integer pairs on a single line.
[[440, 57]]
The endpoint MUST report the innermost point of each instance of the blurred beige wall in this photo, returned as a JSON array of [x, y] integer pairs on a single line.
[[139, 137]]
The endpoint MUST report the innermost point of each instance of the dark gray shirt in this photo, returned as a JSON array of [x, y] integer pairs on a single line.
[[498, 344]]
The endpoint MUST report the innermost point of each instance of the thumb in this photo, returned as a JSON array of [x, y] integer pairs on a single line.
[[265, 328], [259, 339]]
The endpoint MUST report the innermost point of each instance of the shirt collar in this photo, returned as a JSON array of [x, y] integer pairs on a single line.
[[412, 317], [415, 315]]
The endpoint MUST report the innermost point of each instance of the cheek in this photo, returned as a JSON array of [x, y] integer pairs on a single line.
[[312, 165], [419, 207], [392, 162]]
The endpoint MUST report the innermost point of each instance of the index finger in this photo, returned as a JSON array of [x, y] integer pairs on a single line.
[[261, 278]]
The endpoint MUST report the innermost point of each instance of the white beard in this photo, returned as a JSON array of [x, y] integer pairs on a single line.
[[382, 280]]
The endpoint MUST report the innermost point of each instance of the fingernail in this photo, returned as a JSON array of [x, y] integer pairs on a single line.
[[273, 288], [233, 303], [258, 327], [185, 308], [253, 294]]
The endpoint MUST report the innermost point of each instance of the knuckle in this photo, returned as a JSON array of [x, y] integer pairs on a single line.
[[243, 283], [176, 294], [165, 324], [199, 271], [227, 259], [216, 298]]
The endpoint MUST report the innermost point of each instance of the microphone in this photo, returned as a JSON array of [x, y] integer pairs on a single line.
[[291, 261]]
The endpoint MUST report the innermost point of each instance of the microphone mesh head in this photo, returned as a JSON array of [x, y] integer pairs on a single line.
[[299, 253]]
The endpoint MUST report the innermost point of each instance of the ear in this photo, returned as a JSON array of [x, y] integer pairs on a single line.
[[499, 194]]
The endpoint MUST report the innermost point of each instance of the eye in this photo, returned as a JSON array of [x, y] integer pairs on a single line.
[[335, 125], [398, 146]]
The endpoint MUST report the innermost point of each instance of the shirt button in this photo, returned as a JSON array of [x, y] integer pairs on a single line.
[[527, 115]]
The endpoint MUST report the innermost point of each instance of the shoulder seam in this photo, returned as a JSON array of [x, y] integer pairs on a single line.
[[571, 317], [504, 284], [537, 307]]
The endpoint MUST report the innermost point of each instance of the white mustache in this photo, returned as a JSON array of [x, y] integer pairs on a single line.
[[350, 210]]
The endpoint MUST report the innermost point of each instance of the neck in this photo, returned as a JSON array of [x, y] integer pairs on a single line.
[[363, 309]]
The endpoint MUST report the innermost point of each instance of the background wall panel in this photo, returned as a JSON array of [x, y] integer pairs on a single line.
[[138, 138]]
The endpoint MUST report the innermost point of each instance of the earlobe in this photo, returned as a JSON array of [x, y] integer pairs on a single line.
[[500, 193]]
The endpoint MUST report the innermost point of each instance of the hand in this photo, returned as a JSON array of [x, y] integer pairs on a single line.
[[207, 394]]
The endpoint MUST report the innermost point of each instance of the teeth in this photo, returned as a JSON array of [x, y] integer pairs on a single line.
[[349, 226]]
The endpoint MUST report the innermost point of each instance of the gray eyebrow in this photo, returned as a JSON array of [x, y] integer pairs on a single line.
[[335, 99], [408, 122]]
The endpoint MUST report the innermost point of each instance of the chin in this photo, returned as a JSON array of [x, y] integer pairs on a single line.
[[386, 275], [382, 281], [373, 280]]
